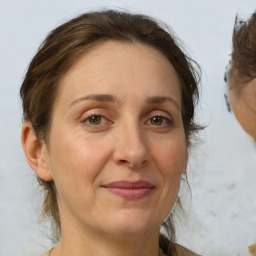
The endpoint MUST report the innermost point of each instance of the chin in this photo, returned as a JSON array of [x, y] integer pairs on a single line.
[[131, 231], [133, 223]]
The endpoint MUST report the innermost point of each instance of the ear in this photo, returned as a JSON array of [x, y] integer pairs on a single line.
[[36, 152]]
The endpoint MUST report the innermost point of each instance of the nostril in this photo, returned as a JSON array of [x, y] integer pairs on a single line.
[[144, 162], [123, 161], [133, 164]]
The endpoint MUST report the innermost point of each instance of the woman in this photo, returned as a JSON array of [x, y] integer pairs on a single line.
[[108, 105], [241, 79]]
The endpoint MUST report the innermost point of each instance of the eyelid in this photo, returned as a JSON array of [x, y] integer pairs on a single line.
[[91, 115], [84, 119], [163, 115]]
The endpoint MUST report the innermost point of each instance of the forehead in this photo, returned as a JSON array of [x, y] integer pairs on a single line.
[[112, 52], [120, 67]]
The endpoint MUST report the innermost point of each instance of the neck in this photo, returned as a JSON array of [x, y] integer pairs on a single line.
[[89, 244]]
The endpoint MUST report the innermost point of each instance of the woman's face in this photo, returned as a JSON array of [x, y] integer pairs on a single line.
[[117, 146], [243, 101]]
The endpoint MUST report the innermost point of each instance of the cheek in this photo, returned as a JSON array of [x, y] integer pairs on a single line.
[[75, 159], [173, 155], [236, 106], [172, 160], [244, 114], [76, 164]]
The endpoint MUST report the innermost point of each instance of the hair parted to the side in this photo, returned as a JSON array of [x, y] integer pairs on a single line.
[[66, 43], [243, 57]]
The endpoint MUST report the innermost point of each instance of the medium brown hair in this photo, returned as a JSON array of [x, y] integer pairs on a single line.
[[66, 43], [243, 58]]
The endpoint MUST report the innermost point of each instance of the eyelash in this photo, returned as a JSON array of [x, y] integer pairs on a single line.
[[165, 119], [87, 119]]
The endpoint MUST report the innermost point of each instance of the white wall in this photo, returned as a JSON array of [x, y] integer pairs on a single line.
[[222, 219]]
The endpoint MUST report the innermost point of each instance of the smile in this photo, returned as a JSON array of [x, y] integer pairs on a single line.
[[130, 190]]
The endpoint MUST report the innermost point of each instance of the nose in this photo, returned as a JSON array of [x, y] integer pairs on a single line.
[[131, 147]]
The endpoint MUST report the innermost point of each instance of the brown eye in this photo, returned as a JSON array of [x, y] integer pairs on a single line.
[[94, 120], [156, 120]]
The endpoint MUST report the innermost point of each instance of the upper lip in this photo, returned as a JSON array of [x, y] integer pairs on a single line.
[[125, 184]]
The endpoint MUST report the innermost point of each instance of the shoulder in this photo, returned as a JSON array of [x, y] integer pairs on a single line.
[[173, 248], [252, 249], [182, 251]]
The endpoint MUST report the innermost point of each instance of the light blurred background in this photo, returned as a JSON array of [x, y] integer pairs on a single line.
[[222, 213]]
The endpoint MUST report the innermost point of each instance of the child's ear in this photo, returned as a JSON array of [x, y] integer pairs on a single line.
[[36, 152]]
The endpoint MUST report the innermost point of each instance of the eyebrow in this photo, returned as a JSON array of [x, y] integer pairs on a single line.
[[161, 99], [96, 97], [112, 99]]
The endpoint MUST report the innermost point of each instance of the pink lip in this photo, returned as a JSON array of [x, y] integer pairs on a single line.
[[130, 190]]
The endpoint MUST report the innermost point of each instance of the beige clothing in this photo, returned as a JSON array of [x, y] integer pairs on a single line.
[[181, 251], [251, 251]]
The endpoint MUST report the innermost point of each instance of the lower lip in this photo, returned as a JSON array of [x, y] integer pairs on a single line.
[[132, 194]]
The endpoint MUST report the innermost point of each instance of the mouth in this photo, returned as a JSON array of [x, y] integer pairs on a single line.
[[130, 190]]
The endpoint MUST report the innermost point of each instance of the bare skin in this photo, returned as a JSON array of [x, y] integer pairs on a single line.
[[242, 95], [116, 120]]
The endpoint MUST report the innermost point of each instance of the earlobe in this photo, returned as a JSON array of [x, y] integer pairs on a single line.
[[36, 152]]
